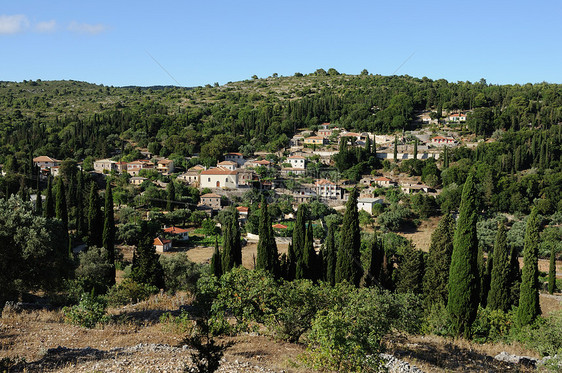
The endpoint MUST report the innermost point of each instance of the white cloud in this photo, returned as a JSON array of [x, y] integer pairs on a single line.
[[85, 28], [46, 26], [13, 24]]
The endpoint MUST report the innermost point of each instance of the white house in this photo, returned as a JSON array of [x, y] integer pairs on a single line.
[[104, 165], [366, 204], [46, 162], [162, 245], [383, 182], [229, 165], [219, 177], [457, 117], [178, 233], [235, 157], [297, 161], [165, 166], [137, 180], [327, 189]]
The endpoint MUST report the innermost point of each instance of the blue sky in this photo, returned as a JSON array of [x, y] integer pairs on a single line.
[[200, 42]]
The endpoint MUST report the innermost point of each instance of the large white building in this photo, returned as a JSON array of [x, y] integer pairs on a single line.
[[297, 161], [327, 189], [218, 177], [366, 204]]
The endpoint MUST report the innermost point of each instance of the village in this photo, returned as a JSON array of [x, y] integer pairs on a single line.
[[301, 173]]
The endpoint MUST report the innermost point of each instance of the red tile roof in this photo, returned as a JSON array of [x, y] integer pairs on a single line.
[[242, 209], [324, 182], [160, 241], [218, 171], [279, 226], [175, 230], [210, 195]]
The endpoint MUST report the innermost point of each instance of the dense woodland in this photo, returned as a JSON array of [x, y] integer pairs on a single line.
[[505, 193]]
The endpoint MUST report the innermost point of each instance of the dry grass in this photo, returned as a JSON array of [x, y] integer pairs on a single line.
[[421, 237]]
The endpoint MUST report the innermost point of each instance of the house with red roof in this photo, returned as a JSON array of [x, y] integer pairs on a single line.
[[383, 182], [327, 189], [46, 162], [178, 233], [442, 140], [235, 157], [165, 166], [316, 140], [211, 200], [162, 245]]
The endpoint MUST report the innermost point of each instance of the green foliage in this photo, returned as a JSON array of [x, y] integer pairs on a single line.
[[88, 313], [94, 270], [108, 238], [395, 217], [348, 264], [410, 273], [436, 277], [129, 291], [492, 325], [180, 273], [31, 258], [552, 273], [464, 292], [543, 335], [500, 281], [146, 268], [268, 257], [529, 307]]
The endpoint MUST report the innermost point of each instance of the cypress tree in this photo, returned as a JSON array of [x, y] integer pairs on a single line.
[[446, 157], [309, 255], [146, 268], [330, 256], [463, 299], [171, 189], [235, 237], [386, 272], [552, 272], [109, 232], [484, 273], [267, 258], [410, 272], [227, 261], [61, 212], [529, 307], [299, 237], [500, 286], [439, 260], [49, 200], [395, 149], [376, 254], [514, 276], [291, 263], [368, 146], [348, 265], [80, 226], [416, 149], [38, 200], [216, 263], [94, 218]]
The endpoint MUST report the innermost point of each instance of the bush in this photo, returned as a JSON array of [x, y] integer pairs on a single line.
[[181, 324], [94, 270], [180, 273], [544, 336], [88, 313], [437, 321], [491, 325], [128, 292]]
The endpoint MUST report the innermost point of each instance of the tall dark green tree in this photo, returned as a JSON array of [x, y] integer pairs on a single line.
[[61, 211], [49, 200], [309, 255], [299, 238], [236, 244], [409, 275], [445, 157], [80, 221], [348, 265], [463, 299], [529, 307], [228, 261], [216, 263], [108, 239], [395, 149], [552, 271], [95, 218], [146, 268], [514, 276], [329, 256], [500, 286], [268, 257], [171, 196], [416, 149], [368, 145], [376, 255], [438, 263], [38, 200], [484, 273]]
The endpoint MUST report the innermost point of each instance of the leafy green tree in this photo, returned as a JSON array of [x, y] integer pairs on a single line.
[[529, 307], [348, 265], [33, 251], [268, 257], [438, 263], [500, 285], [108, 238], [463, 298], [94, 271]]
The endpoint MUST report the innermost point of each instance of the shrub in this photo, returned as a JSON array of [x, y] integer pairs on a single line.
[[89, 312], [491, 325], [128, 292], [181, 324], [180, 273], [436, 321], [544, 336]]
